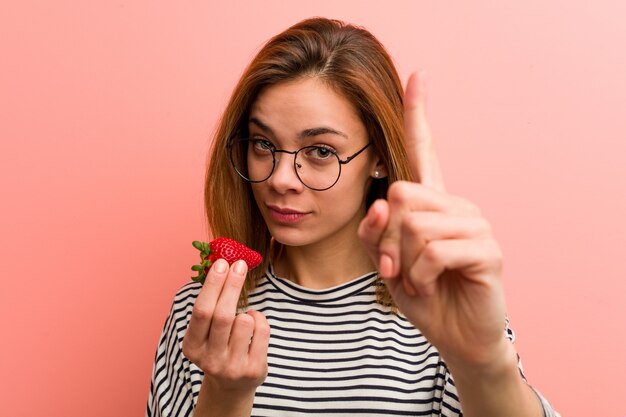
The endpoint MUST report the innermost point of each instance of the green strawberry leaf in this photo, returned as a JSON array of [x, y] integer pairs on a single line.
[[200, 278], [197, 268], [197, 244]]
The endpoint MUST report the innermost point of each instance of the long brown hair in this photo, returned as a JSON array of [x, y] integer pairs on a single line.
[[350, 60]]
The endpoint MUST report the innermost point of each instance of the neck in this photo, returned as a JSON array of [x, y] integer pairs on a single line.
[[325, 264]]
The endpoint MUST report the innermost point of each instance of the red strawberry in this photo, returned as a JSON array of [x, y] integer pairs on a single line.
[[225, 248]]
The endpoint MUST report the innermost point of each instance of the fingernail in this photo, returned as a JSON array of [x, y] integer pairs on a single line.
[[372, 216], [220, 266], [240, 267], [386, 266]]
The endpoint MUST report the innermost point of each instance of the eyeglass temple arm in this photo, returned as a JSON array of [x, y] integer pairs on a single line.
[[351, 157]]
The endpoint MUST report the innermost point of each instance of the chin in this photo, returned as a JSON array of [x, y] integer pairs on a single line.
[[292, 237]]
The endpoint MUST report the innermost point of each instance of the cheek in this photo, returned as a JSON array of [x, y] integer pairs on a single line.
[[348, 197], [353, 185], [258, 193]]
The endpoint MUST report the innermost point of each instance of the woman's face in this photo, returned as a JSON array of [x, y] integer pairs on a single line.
[[307, 112]]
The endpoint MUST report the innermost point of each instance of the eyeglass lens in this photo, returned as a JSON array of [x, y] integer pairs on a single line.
[[317, 167]]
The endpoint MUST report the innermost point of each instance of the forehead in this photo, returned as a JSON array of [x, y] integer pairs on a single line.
[[304, 104]]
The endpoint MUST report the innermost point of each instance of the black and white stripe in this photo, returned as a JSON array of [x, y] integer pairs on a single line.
[[332, 352]]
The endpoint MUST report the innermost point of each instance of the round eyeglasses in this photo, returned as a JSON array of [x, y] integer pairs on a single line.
[[317, 167]]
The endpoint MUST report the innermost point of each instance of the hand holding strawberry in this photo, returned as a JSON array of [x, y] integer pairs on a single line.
[[229, 346], [224, 248]]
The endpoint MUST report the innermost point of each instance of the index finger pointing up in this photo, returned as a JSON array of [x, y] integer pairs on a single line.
[[417, 138]]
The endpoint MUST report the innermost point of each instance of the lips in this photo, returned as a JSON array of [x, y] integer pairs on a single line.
[[286, 214], [284, 210]]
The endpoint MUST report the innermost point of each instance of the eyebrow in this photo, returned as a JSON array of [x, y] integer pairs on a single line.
[[306, 133]]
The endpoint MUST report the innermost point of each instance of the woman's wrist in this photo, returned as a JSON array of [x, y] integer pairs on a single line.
[[213, 400], [497, 363], [494, 388]]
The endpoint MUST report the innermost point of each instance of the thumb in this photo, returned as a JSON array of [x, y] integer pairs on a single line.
[[372, 227]]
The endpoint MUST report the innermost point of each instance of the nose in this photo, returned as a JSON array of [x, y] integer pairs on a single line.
[[284, 177]]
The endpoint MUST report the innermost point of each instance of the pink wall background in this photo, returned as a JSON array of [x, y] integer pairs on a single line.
[[106, 109]]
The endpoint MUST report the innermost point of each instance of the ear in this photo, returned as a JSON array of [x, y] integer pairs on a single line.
[[379, 171]]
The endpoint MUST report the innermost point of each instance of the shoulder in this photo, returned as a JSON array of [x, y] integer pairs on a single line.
[[182, 304], [187, 292]]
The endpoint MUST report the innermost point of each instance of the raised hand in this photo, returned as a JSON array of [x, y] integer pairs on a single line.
[[437, 253], [230, 348]]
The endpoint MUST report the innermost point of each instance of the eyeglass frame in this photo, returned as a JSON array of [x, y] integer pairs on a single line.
[[229, 146]]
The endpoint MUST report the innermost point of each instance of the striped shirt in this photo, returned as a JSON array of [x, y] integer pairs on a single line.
[[331, 352]]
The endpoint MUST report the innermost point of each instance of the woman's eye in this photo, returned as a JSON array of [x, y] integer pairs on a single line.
[[320, 152], [261, 145]]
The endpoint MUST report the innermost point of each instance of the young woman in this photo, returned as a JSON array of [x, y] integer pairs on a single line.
[[379, 294]]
